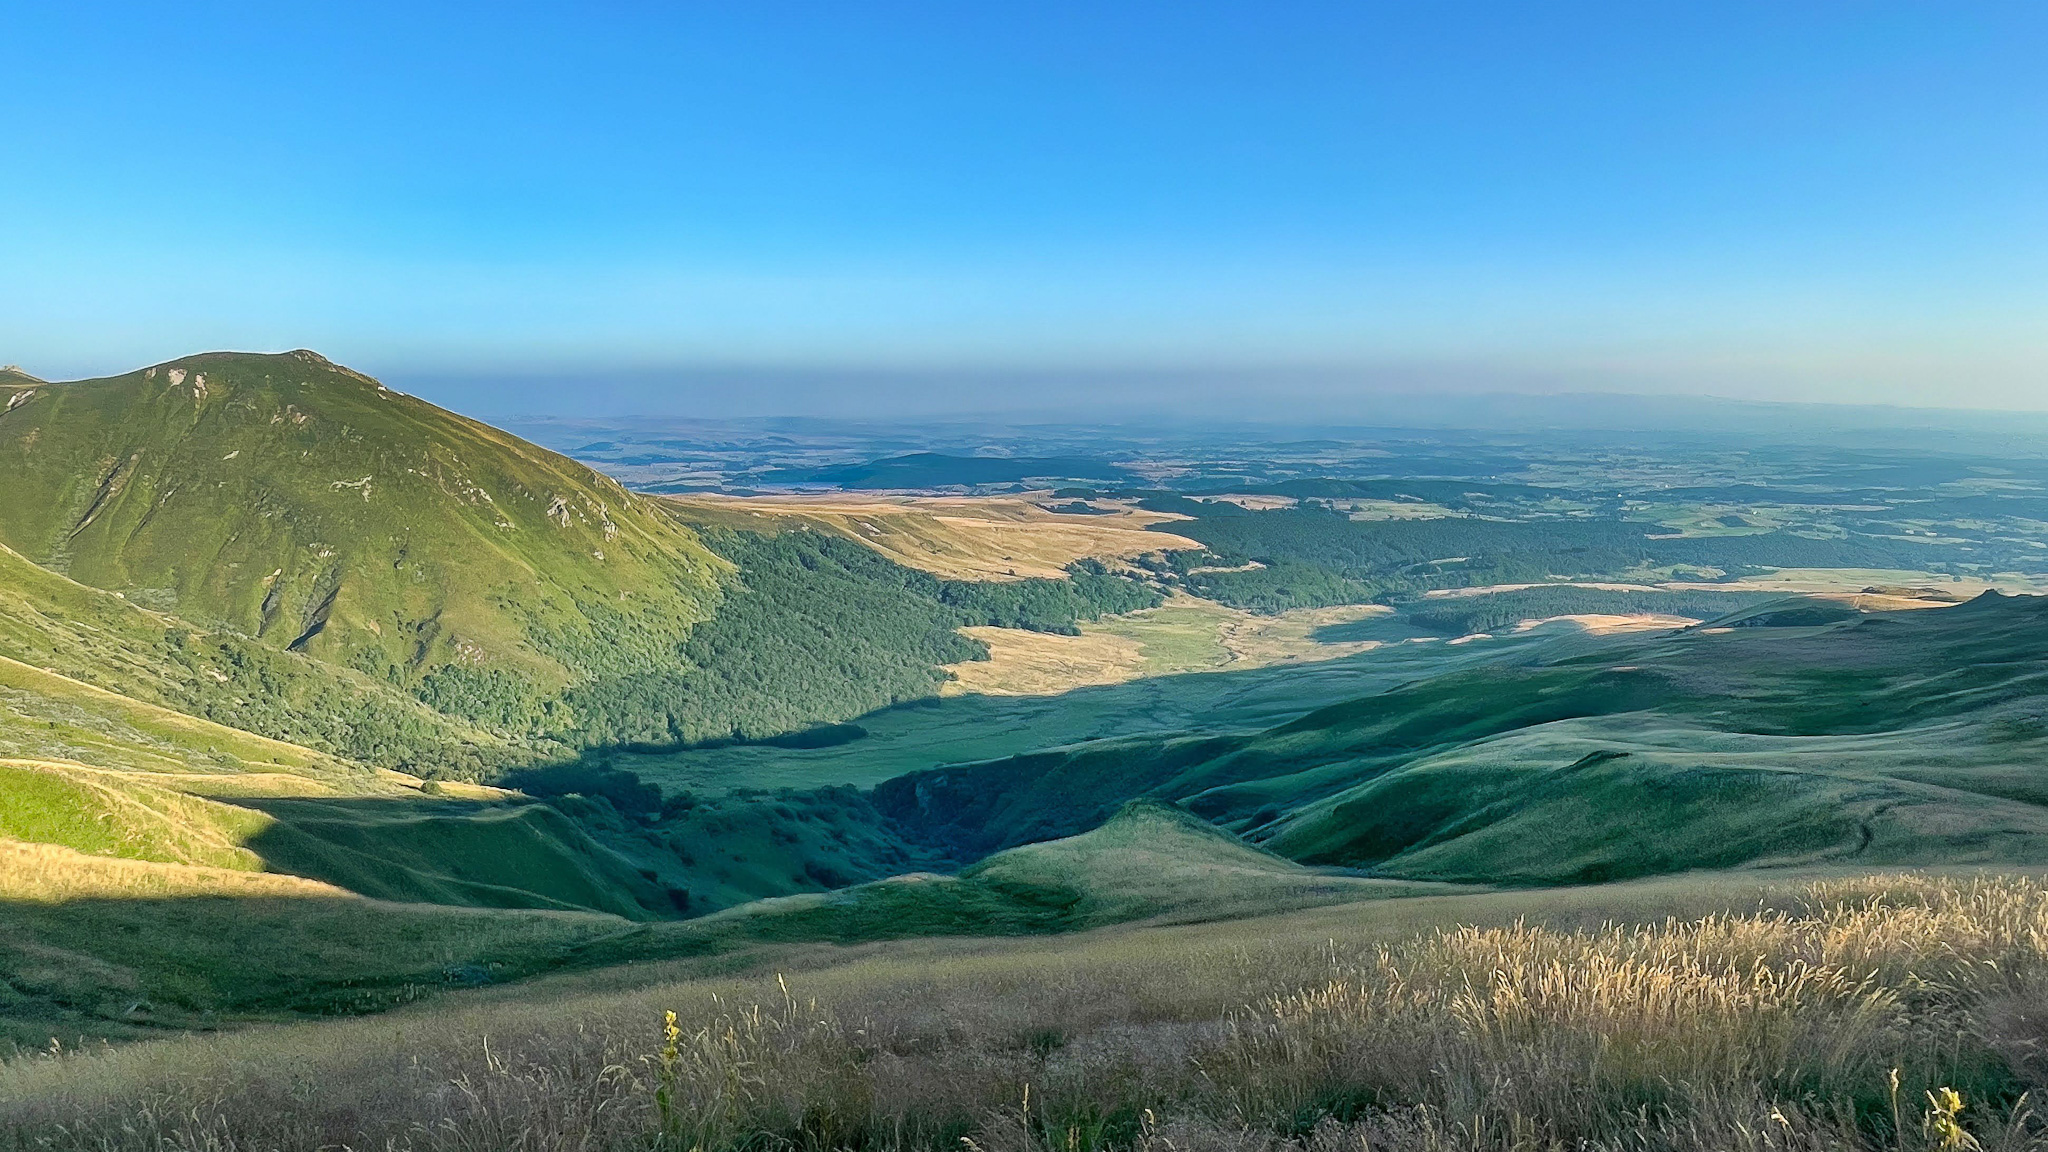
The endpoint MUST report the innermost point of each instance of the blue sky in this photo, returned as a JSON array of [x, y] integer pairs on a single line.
[[1176, 203]]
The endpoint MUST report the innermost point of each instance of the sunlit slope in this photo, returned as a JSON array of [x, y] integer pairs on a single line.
[[60, 639], [305, 504], [104, 763], [1896, 738], [113, 776]]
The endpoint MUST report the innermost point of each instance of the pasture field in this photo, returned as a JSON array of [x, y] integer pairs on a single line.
[[1185, 634]]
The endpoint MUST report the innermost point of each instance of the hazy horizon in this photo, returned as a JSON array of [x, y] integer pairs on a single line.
[[1175, 206]]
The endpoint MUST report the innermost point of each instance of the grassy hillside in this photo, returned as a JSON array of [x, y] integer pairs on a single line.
[[79, 636], [1874, 1012], [91, 936], [1148, 861], [1903, 737], [299, 502], [111, 769], [250, 507]]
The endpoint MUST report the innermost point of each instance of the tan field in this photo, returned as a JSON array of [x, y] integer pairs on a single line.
[[54, 874], [956, 537], [1185, 634], [1604, 624]]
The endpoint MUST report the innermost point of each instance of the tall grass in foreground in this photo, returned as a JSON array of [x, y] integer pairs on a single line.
[[1903, 1014]]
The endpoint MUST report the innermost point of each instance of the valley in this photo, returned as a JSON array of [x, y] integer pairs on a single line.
[[317, 700]]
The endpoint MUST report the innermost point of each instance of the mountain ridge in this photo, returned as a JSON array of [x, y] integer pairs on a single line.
[[304, 504]]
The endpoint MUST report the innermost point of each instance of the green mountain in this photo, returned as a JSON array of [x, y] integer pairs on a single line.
[[285, 503], [295, 501]]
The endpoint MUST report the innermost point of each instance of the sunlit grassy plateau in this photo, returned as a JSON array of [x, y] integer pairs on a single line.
[[371, 778]]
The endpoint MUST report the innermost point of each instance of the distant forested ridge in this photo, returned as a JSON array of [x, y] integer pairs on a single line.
[[1315, 556], [938, 470]]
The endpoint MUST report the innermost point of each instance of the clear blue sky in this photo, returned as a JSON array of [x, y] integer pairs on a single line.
[[1811, 200]]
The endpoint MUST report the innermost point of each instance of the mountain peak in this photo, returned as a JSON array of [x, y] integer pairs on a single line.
[[261, 360], [305, 505], [12, 374]]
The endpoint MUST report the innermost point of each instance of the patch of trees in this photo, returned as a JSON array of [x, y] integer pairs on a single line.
[[817, 629]]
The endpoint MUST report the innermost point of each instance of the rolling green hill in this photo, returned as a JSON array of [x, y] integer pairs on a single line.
[[1810, 735], [134, 957], [77, 637]]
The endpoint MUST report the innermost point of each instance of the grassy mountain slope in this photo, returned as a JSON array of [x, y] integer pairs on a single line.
[[96, 758], [106, 764], [280, 504], [296, 501], [80, 636], [1147, 861], [1909, 737]]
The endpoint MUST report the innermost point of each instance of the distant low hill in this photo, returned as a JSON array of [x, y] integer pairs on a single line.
[[937, 470]]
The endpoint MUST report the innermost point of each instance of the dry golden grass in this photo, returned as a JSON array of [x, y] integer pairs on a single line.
[[1606, 624], [1024, 663], [1185, 634], [52, 874], [1899, 1013], [957, 537]]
